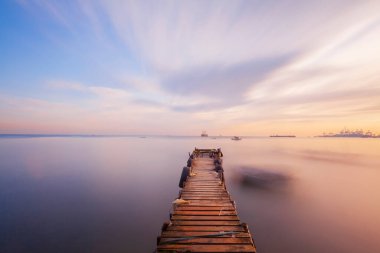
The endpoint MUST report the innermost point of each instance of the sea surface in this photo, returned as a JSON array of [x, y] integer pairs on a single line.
[[112, 194]]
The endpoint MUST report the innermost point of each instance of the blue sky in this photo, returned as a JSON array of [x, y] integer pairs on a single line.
[[180, 67]]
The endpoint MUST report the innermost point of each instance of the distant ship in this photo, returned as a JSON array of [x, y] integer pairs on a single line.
[[204, 134], [236, 138], [291, 136]]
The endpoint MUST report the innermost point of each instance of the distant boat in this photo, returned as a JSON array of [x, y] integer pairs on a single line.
[[236, 138], [204, 134], [289, 136]]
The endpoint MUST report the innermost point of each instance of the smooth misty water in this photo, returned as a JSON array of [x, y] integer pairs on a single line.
[[112, 194]]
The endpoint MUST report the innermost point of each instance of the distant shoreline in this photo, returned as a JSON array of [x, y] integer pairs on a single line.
[[354, 137], [143, 136]]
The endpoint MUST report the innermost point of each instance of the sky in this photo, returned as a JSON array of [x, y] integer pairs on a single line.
[[181, 67]]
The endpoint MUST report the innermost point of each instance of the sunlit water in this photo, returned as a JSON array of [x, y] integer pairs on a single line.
[[112, 194]]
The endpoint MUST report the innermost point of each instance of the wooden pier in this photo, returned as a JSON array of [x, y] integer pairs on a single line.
[[204, 217]]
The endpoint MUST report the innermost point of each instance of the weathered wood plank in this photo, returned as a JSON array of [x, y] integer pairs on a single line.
[[205, 223], [205, 198], [205, 194], [198, 202], [205, 208], [198, 191], [199, 217], [218, 240], [194, 188], [213, 213], [209, 188], [180, 234], [204, 178], [205, 228], [207, 248]]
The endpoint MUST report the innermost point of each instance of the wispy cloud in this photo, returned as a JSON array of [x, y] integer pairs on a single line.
[[189, 62]]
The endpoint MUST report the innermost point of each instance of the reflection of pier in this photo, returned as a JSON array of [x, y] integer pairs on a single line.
[[204, 218]]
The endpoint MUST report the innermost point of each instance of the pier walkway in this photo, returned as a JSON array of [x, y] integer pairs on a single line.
[[204, 217]]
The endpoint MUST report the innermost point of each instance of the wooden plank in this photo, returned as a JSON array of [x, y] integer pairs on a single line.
[[201, 188], [206, 248], [202, 185], [211, 192], [204, 208], [198, 202], [218, 187], [218, 240], [208, 188], [208, 193], [205, 228], [212, 182], [181, 234], [207, 201], [204, 198], [199, 217], [207, 173], [204, 191], [205, 213], [204, 178], [205, 223], [203, 202], [204, 173]]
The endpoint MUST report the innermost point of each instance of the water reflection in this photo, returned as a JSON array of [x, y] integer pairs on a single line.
[[260, 178], [113, 194]]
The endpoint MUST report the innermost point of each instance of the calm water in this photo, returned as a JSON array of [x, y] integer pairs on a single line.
[[61, 194]]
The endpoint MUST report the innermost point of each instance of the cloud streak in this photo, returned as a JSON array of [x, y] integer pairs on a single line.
[[189, 62]]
